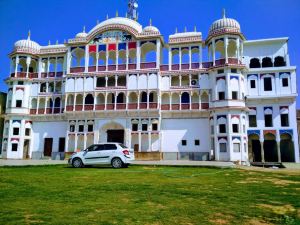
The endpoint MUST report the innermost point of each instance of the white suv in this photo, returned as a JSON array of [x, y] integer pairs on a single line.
[[116, 154]]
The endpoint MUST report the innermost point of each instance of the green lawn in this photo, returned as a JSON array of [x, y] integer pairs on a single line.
[[147, 195]]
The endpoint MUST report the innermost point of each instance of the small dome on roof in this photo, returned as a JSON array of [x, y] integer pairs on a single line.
[[27, 45], [150, 29], [224, 23], [82, 34]]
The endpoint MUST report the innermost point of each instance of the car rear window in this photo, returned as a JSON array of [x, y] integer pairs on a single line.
[[123, 146], [110, 147]]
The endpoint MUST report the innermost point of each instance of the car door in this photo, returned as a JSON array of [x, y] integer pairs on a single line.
[[92, 154], [108, 152]]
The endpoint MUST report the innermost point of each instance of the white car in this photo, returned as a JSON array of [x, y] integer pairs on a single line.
[[115, 154]]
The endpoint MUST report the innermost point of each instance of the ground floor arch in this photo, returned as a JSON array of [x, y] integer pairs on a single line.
[[270, 148], [112, 132], [287, 152], [254, 148]]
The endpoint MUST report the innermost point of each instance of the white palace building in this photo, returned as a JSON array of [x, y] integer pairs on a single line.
[[110, 85]]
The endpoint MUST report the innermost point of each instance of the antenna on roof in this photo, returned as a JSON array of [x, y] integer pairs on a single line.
[[150, 22], [29, 33], [83, 29], [117, 13], [107, 16], [224, 13], [132, 9], [195, 28], [185, 29]]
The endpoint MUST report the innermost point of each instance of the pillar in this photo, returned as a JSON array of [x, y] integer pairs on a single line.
[[170, 58], [262, 151], [226, 48], [190, 57], [213, 52], [158, 46], [138, 55]]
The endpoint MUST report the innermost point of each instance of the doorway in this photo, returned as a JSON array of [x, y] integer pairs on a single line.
[[61, 145], [48, 146], [26, 149], [115, 136]]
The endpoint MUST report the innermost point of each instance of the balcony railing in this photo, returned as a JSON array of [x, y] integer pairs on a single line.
[[69, 108], [88, 107], [148, 65], [121, 106], [185, 66], [33, 75], [77, 70], [132, 105], [55, 110], [122, 67], [184, 106], [112, 67], [100, 107]]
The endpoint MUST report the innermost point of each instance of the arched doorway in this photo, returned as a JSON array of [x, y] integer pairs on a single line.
[[112, 132], [270, 148], [254, 148], [287, 148]]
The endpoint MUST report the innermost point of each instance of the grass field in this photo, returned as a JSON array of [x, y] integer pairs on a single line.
[[147, 195]]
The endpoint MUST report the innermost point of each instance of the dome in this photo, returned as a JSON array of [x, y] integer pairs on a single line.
[[81, 34], [27, 45], [150, 29], [224, 23]]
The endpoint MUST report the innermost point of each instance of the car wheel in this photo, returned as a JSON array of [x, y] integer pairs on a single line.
[[77, 163], [117, 163]]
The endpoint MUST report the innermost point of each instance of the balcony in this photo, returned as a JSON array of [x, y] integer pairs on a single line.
[[55, 110], [185, 106]]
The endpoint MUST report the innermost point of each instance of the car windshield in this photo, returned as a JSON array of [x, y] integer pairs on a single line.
[[123, 146]]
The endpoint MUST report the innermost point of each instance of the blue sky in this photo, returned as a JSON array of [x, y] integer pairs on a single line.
[[62, 19]]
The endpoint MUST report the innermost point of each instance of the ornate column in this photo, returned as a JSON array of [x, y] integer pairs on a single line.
[[214, 51], [138, 55], [226, 48], [158, 46]]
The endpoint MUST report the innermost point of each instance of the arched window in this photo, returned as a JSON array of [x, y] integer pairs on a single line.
[[151, 97], [254, 63], [267, 62], [89, 99], [279, 61], [57, 103], [185, 98], [120, 98], [144, 97]]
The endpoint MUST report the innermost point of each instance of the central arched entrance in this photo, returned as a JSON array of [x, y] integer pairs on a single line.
[[112, 132], [254, 148], [270, 148]]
